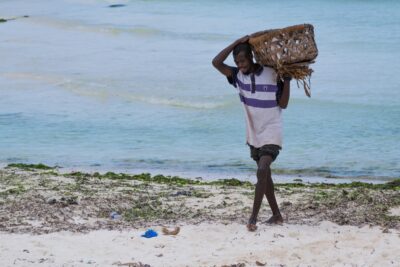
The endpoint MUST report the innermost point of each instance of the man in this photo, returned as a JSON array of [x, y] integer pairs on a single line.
[[263, 95]]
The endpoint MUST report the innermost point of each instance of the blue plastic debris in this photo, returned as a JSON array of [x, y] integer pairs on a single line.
[[114, 215], [150, 233]]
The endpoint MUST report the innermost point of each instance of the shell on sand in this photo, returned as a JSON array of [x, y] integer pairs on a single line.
[[171, 232]]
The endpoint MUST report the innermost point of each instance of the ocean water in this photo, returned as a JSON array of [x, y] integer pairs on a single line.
[[132, 89]]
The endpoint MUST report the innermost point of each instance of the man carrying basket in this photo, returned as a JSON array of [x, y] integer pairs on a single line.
[[263, 95]]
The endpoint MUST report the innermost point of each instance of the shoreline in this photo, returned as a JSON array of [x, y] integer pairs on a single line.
[[279, 176], [251, 177], [51, 218]]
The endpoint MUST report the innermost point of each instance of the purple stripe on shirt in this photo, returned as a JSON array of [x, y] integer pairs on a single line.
[[259, 87], [257, 103]]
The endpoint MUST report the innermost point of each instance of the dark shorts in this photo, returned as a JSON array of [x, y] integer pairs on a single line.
[[271, 150]]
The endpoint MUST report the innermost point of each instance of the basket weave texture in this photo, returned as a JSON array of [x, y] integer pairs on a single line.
[[289, 51]]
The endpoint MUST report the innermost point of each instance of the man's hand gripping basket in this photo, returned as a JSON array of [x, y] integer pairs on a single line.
[[289, 51]]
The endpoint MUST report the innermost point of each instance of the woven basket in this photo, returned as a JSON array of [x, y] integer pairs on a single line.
[[289, 51]]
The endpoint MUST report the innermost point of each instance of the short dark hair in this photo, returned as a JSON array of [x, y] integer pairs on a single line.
[[242, 47]]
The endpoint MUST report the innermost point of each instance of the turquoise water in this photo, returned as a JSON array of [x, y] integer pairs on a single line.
[[131, 89]]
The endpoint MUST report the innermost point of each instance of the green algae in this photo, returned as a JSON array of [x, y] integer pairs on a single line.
[[143, 198], [231, 182], [391, 185], [161, 179], [359, 205], [30, 167], [16, 190], [179, 181]]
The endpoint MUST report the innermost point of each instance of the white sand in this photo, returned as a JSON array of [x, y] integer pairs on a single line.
[[207, 245]]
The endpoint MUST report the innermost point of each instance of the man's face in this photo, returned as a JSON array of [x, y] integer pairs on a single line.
[[243, 62]]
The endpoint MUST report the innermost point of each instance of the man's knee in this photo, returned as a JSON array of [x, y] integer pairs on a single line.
[[262, 173], [263, 170], [265, 162]]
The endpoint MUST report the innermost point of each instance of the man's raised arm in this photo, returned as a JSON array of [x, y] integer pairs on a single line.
[[218, 61]]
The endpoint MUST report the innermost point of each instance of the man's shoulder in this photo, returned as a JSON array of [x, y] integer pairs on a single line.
[[269, 70], [262, 70]]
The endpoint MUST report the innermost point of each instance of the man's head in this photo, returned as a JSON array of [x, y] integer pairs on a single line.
[[243, 57]]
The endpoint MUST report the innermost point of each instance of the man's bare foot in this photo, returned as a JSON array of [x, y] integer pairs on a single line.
[[251, 225], [275, 219]]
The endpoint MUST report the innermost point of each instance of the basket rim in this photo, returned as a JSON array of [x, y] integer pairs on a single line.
[[256, 35]]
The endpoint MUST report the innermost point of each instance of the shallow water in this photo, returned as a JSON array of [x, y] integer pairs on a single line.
[[83, 85]]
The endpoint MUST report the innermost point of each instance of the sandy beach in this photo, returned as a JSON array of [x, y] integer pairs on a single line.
[[48, 218], [208, 244], [128, 105]]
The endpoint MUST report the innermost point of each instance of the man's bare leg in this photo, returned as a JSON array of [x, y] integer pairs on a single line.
[[264, 186], [270, 191]]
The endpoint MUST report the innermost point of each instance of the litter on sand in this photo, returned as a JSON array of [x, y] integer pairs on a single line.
[[150, 233], [171, 232]]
